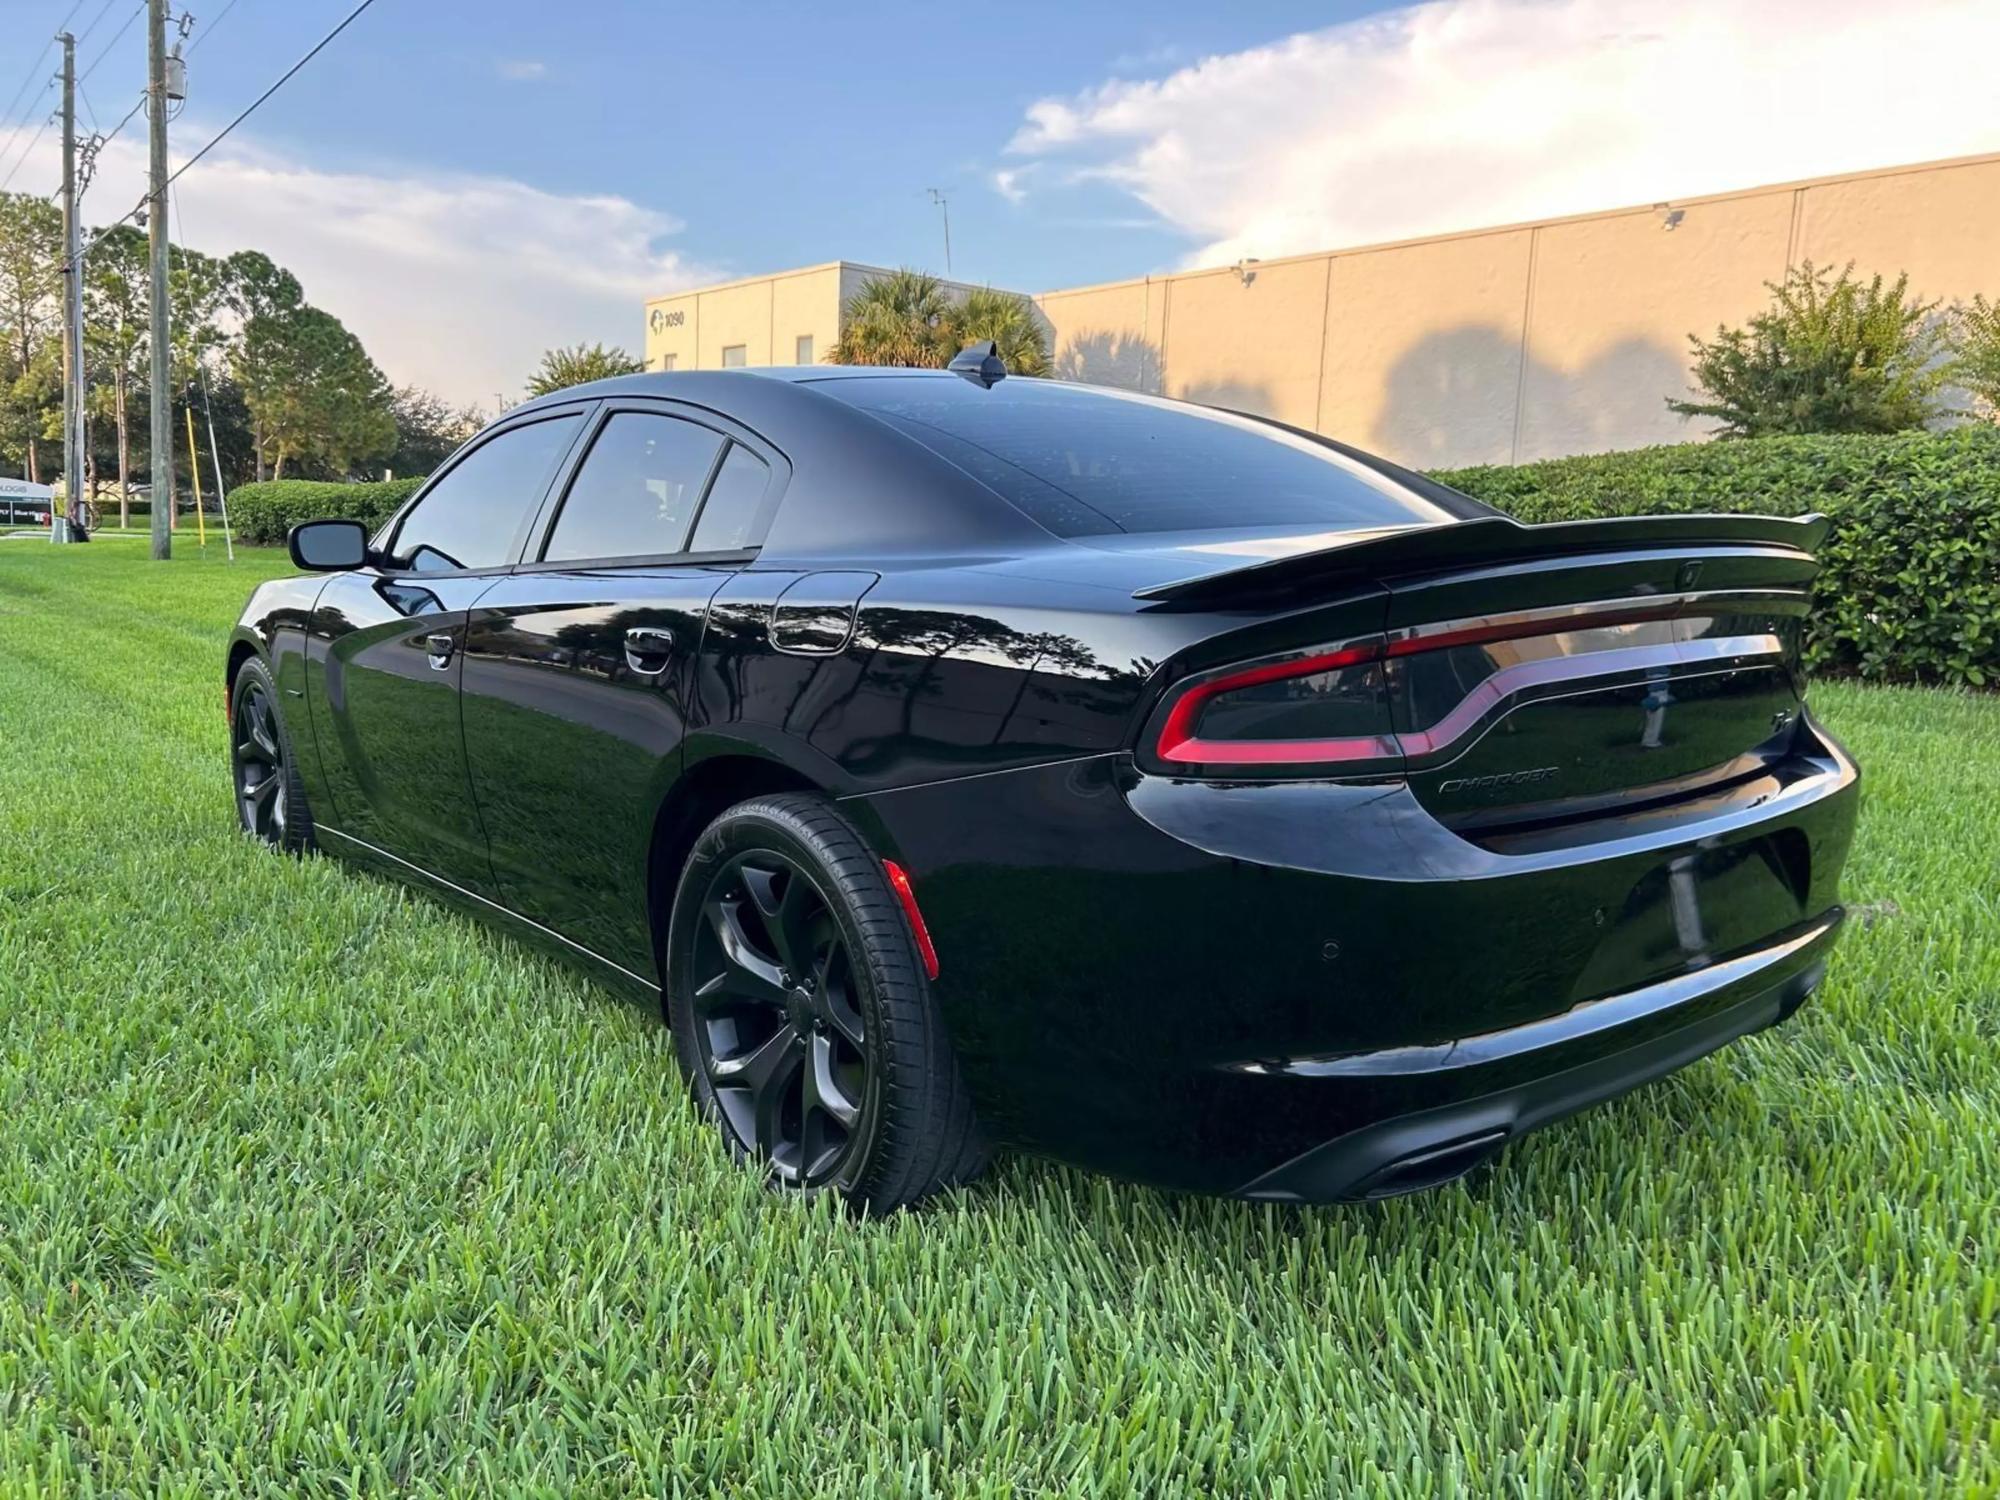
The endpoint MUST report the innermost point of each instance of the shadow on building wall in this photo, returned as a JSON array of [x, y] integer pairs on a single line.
[[1451, 399], [1102, 357], [1231, 395]]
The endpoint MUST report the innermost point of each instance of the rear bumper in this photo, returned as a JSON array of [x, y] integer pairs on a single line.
[[1316, 990], [1700, 1013]]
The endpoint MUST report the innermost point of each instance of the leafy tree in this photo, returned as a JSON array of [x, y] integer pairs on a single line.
[[1010, 320], [1976, 332], [428, 429], [910, 318], [313, 393], [1831, 354], [562, 368], [903, 318], [115, 334], [266, 298], [30, 321]]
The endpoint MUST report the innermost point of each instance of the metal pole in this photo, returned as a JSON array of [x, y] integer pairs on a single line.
[[938, 197], [72, 282], [215, 457], [161, 400]]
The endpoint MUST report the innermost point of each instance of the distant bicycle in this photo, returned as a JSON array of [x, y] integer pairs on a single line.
[[84, 513]]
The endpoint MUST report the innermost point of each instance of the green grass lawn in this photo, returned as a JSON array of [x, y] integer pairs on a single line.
[[309, 1185]]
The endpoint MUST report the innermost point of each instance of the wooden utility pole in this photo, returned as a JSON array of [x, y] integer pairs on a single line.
[[161, 397], [72, 295]]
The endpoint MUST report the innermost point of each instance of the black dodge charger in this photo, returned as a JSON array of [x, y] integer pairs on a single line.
[[966, 760]]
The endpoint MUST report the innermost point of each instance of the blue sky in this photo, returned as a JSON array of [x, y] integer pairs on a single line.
[[468, 183], [782, 134]]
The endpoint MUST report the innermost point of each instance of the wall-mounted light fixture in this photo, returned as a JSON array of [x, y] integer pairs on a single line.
[[1243, 272], [1670, 217]]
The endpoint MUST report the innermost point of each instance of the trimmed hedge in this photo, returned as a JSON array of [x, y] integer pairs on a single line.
[[1909, 582], [265, 513]]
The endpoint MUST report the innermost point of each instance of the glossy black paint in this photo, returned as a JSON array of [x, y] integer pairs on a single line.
[[1294, 982]]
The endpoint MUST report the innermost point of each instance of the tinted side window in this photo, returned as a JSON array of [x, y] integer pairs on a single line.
[[737, 512], [472, 516], [636, 490]]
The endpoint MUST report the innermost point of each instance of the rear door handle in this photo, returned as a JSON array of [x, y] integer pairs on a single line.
[[648, 648], [439, 649]]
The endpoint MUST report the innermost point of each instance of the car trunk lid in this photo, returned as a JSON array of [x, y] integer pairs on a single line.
[[1545, 673]]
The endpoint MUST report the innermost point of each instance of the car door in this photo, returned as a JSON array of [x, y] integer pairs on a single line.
[[577, 667], [386, 659]]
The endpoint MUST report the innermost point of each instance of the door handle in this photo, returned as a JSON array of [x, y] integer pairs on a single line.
[[439, 649], [647, 649]]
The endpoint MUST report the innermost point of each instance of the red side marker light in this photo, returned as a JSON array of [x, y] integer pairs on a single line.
[[899, 882]]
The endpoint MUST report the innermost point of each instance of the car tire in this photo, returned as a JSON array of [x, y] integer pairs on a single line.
[[270, 798], [801, 1014]]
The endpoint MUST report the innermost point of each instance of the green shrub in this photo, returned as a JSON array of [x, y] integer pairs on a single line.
[[1831, 354], [266, 512], [1909, 582]]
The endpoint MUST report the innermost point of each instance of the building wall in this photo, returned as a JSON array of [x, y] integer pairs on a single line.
[[1528, 341], [766, 315]]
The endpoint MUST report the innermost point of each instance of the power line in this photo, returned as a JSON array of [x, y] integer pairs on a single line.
[[26, 152], [102, 12], [116, 37], [282, 79], [21, 92], [138, 208], [122, 123], [209, 30]]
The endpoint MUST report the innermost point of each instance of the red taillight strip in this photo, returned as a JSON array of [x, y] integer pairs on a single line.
[[1179, 743], [899, 882]]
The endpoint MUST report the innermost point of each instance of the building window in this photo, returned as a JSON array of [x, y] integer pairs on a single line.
[[670, 361], [732, 356], [802, 353]]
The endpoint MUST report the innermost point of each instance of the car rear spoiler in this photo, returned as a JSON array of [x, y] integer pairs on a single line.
[[1486, 540]]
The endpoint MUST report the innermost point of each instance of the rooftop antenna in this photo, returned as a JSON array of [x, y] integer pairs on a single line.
[[938, 197], [980, 363]]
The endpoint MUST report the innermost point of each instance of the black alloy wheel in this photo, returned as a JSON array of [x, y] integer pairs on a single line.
[[801, 1013], [270, 803], [778, 1022]]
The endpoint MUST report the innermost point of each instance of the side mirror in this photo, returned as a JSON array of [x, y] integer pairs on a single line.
[[328, 546]]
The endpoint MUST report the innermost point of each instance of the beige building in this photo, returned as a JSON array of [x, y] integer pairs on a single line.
[[1487, 346], [789, 318]]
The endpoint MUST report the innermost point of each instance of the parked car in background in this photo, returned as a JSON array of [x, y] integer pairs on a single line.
[[967, 760]]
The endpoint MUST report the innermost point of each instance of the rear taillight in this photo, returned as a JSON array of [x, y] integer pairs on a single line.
[[1328, 711], [1326, 708]]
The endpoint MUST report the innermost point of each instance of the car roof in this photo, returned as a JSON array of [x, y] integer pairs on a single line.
[[877, 491]]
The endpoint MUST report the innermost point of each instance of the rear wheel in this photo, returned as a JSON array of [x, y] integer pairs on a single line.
[[801, 1016], [270, 801]]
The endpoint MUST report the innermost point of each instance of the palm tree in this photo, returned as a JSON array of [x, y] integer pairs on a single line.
[[910, 318], [899, 319], [1010, 320], [561, 368]]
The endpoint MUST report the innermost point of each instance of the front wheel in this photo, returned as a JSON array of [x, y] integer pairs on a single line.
[[270, 800], [801, 1015]]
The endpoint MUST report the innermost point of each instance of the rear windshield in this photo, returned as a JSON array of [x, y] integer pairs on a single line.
[[1084, 462]]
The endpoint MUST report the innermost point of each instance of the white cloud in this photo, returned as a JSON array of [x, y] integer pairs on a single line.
[[1464, 113], [1011, 183], [452, 282], [521, 70]]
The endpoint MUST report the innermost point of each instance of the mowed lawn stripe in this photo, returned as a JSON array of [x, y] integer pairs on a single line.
[[310, 1185]]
